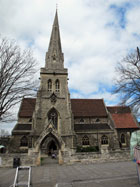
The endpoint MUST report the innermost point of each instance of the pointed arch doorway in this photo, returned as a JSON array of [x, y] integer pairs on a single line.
[[49, 150]]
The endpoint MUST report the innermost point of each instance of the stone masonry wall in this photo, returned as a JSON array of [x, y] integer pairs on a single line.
[[113, 156], [6, 160]]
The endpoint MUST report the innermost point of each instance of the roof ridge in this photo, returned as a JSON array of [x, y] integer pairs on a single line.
[[29, 98], [117, 106], [84, 99]]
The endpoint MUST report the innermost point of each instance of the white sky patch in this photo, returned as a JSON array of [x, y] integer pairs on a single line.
[[92, 39], [109, 98]]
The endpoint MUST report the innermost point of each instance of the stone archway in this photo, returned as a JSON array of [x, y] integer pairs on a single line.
[[49, 145], [50, 149], [47, 140]]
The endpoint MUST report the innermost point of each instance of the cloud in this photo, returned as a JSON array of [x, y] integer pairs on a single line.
[[95, 35]]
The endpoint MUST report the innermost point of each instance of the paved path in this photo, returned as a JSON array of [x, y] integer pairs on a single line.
[[118, 174]]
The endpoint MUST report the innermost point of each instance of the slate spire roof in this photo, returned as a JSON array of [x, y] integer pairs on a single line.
[[54, 54]]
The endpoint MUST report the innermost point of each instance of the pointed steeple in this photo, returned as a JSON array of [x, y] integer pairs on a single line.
[[54, 56]]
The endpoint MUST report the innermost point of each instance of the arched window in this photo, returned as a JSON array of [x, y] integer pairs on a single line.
[[97, 120], [85, 140], [57, 86], [104, 140], [81, 120], [123, 139], [49, 85], [53, 116], [24, 141], [54, 57]]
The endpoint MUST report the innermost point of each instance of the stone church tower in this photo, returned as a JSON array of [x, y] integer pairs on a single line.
[[52, 118], [52, 123]]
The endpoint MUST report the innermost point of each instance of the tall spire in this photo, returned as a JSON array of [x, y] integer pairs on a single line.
[[54, 56]]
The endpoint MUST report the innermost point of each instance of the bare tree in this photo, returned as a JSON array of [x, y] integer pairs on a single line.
[[127, 82], [17, 70]]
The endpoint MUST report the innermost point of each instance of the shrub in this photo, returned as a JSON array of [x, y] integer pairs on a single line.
[[87, 149]]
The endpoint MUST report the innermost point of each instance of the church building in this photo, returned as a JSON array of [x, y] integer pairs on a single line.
[[54, 123]]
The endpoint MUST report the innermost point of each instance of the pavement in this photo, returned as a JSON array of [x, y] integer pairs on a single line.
[[117, 174]]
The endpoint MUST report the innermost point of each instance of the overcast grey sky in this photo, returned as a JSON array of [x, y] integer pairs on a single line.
[[95, 35]]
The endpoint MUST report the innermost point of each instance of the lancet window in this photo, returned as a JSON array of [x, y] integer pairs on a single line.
[[53, 117]]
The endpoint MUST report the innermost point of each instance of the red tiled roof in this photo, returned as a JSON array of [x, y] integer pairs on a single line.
[[80, 107], [88, 107], [122, 117], [27, 107], [118, 109]]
